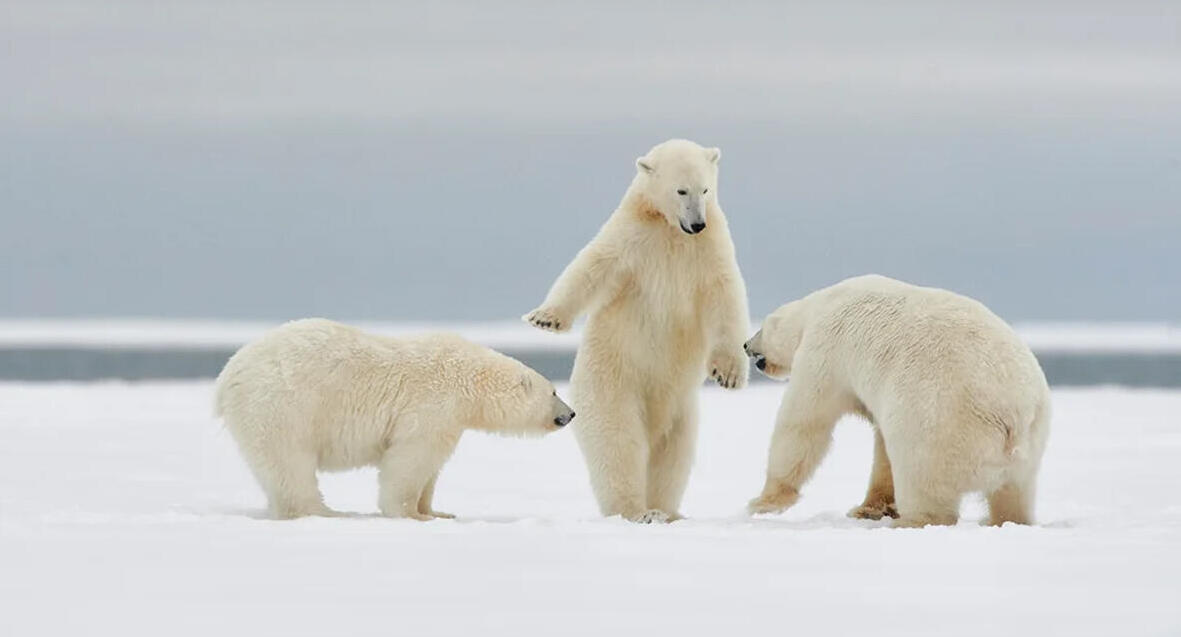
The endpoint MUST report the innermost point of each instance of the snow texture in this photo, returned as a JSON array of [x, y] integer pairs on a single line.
[[124, 509]]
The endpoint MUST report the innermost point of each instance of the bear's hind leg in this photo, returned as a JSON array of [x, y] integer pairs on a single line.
[[671, 460], [922, 500], [426, 500], [615, 446], [879, 499], [289, 480], [1012, 502]]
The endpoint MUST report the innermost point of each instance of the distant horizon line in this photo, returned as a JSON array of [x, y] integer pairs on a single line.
[[203, 333]]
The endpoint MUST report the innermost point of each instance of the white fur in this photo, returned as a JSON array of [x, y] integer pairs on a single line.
[[666, 308], [317, 395], [959, 404]]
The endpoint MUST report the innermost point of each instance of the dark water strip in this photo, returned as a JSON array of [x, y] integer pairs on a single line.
[[1132, 369]]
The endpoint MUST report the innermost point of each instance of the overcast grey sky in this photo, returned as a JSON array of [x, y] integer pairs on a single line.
[[399, 161]]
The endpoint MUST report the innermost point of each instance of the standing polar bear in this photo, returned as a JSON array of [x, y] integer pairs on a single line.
[[317, 395], [958, 403], [666, 306]]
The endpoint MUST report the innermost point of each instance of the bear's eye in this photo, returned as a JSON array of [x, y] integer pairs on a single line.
[[705, 191], [682, 192]]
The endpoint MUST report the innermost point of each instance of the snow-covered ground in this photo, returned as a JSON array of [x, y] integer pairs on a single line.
[[124, 509]]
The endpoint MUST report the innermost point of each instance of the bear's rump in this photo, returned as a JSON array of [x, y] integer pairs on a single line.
[[969, 446]]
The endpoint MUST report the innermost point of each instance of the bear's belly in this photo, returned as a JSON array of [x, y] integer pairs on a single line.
[[349, 447], [646, 344]]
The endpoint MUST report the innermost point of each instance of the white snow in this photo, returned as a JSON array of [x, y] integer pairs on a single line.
[[124, 509], [198, 334]]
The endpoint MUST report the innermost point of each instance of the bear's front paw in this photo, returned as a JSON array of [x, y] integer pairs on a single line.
[[440, 515], [775, 500], [729, 369], [547, 319]]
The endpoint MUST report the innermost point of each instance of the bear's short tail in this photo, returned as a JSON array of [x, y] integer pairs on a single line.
[[1003, 424], [1023, 440], [1011, 446]]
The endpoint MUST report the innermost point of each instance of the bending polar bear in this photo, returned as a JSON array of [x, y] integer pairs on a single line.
[[959, 404], [667, 304], [317, 395]]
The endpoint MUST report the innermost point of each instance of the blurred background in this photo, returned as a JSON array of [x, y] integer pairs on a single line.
[[441, 162]]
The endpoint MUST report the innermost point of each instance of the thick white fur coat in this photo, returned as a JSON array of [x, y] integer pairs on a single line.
[[317, 395], [959, 404], [666, 308]]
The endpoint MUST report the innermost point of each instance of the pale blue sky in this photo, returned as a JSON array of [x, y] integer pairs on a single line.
[[393, 161]]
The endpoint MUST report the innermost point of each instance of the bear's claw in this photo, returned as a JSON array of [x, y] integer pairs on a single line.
[[730, 371], [546, 319]]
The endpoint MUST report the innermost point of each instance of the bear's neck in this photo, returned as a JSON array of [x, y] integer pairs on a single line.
[[636, 204]]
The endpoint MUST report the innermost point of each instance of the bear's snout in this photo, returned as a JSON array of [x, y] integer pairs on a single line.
[[697, 227], [564, 419], [760, 359]]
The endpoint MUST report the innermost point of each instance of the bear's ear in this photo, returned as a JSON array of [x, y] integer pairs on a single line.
[[713, 154], [526, 384], [645, 164]]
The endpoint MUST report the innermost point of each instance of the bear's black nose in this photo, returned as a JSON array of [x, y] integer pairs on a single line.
[[562, 421], [761, 362], [697, 227]]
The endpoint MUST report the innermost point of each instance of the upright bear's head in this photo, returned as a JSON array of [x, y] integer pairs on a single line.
[[679, 179], [774, 346]]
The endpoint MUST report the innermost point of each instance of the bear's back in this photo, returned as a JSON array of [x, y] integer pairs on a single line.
[[910, 333]]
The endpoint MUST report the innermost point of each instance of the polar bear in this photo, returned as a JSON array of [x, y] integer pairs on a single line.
[[318, 395], [666, 306], [958, 403]]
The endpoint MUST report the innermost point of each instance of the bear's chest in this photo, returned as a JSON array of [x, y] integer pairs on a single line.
[[662, 301], [671, 290]]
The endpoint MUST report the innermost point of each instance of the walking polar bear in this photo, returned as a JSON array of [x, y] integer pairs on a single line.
[[958, 403], [317, 395], [666, 305]]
